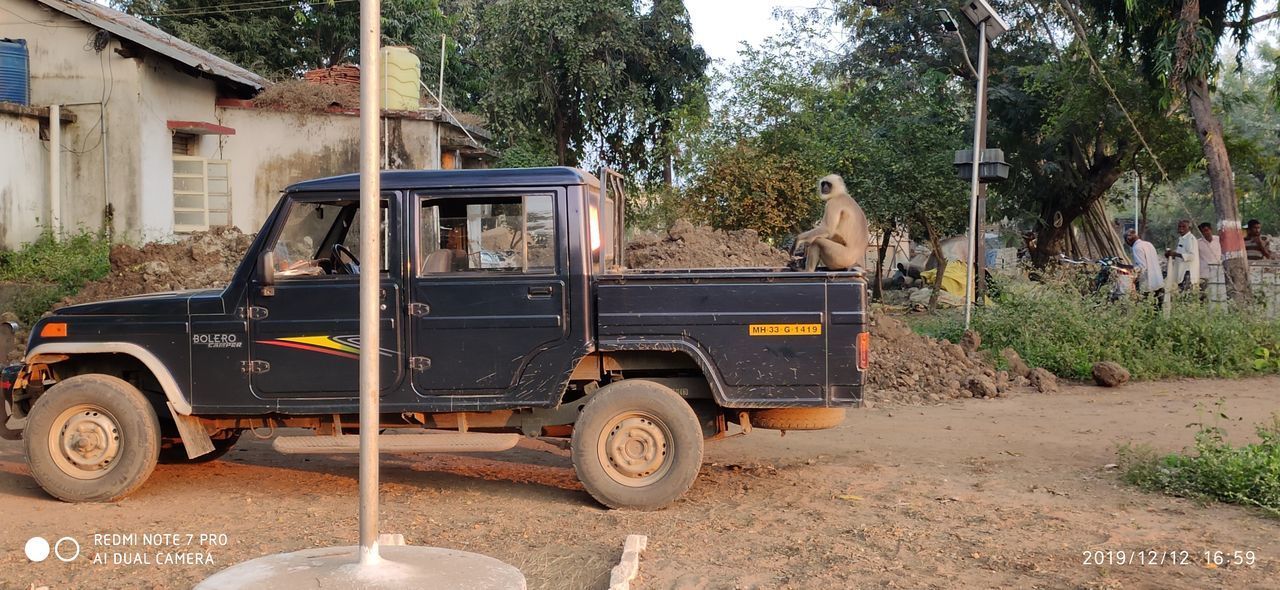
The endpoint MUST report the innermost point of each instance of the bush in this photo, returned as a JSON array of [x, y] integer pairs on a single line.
[[656, 209], [52, 269], [1248, 475], [1054, 327], [745, 188]]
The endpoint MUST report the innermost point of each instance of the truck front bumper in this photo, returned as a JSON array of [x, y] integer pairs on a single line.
[[10, 426]]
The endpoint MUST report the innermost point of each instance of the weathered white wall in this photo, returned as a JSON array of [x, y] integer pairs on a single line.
[[273, 149], [130, 173], [24, 170], [166, 94], [66, 70]]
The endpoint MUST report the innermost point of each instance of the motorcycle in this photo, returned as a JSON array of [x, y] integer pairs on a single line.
[[1113, 276]]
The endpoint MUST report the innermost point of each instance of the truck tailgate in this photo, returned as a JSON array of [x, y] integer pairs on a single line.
[[764, 338]]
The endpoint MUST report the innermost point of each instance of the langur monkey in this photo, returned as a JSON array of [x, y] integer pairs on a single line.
[[841, 237]]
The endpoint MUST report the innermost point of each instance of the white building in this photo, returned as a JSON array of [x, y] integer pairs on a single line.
[[157, 137]]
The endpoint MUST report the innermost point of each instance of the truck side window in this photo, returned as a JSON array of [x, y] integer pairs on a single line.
[[305, 245], [489, 234]]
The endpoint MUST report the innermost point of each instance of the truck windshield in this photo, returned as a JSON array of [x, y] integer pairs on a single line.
[[306, 243]]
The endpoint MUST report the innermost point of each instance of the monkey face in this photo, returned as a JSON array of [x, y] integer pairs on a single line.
[[830, 186]]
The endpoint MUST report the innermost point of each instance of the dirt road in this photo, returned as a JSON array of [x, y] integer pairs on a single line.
[[1001, 493]]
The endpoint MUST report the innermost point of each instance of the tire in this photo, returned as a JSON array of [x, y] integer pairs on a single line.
[[106, 416], [637, 444], [797, 418], [177, 453]]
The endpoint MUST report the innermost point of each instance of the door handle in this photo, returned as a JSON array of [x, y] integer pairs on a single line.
[[540, 292]]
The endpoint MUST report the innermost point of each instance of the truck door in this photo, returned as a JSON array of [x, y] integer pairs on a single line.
[[304, 332], [489, 292]]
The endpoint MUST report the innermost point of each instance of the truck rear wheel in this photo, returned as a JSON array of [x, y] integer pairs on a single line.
[[637, 444], [92, 438]]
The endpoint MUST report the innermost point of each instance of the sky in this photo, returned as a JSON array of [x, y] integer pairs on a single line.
[[721, 25]]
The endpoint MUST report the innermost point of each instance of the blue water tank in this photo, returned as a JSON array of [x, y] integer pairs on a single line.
[[15, 79]]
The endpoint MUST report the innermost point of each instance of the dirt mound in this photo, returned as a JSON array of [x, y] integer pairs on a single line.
[[198, 261], [688, 246], [907, 367]]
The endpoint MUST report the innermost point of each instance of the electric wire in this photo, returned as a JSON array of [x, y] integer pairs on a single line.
[[238, 9]]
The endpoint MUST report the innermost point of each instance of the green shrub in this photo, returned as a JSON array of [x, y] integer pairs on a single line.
[[51, 269], [1053, 326], [944, 323], [1247, 475], [657, 208]]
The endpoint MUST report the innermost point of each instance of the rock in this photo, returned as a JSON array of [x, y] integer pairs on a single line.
[[1017, 366], [1109, 374], [956, 352], [982, 387], [206, 250], [971, 341], [155, 267], [680, 229], [1043, 381]]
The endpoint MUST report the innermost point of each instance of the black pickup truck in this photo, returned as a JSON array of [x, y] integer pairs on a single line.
[[507, 311]]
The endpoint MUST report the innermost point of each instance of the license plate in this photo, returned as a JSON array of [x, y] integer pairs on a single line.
[[784, 329]]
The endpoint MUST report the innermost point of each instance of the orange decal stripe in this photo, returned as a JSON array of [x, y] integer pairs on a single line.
[[310, 348]]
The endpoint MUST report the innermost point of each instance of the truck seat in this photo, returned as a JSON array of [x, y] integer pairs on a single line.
[[438, 262]]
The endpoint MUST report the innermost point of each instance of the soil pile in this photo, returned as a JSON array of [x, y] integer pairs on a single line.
[[200, 260], [688, 246], [907, 367]]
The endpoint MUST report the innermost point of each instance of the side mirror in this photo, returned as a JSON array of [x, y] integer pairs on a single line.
[[267, 273]]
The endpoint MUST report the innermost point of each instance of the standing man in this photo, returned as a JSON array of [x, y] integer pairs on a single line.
[[1210, 252], [1255, 244], [1185, 263], [1147, 264]]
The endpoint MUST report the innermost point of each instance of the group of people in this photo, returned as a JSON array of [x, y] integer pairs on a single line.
[[1191, 258]]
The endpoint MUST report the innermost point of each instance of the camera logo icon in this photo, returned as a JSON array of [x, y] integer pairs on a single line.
[[66, 549]]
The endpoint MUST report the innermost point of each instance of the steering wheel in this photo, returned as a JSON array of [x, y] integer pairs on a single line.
[[349, 266]]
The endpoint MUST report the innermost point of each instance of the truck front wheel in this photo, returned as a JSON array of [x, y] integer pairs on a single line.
[[92, 438], [637, 444]]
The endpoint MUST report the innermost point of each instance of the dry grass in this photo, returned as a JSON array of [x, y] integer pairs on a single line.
[[301, 95]]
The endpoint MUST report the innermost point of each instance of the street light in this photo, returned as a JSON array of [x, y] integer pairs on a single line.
[[990, 26]]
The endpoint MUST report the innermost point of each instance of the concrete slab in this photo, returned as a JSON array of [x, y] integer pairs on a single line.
[[339, 568]]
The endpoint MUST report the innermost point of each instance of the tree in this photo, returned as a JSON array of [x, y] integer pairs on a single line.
[[890, 136], [285, 39], [1178, 41], [590, 74], [1066, 137], [675, 72]]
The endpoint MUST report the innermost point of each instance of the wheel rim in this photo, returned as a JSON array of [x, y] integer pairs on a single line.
[[633, 449], [85, 441]]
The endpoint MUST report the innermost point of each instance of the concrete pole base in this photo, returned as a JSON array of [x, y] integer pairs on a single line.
[[401, 567]]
